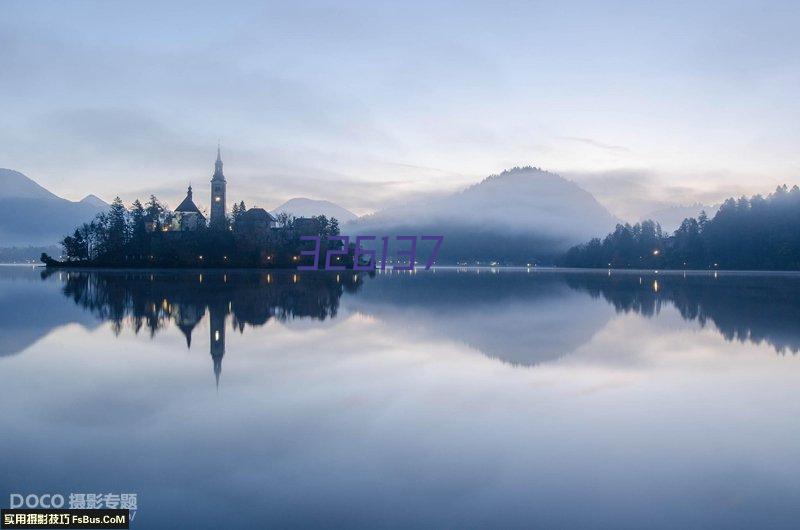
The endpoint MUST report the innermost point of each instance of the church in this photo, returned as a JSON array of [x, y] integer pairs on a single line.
[[188, 216]]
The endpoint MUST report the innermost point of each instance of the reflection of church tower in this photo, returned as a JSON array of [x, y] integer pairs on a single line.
[[218, 194], [217, 330], [186, 317]]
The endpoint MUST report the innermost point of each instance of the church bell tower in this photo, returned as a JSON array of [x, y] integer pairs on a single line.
[[218, 219]]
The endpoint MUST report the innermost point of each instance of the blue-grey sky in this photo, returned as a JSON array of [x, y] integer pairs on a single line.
[[366, 103]]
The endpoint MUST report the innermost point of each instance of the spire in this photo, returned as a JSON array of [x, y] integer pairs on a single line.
[[218, 165], [189, 192]]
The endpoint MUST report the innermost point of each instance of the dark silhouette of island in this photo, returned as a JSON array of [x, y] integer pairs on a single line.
[[746, 234], [151, 235]]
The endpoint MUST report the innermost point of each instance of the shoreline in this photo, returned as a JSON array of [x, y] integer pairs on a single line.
[[476, 268]]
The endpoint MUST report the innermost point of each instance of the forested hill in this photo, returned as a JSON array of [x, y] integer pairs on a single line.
[[746, 234]]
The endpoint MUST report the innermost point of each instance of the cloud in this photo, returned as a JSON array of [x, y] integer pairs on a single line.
[[632, 194], [595, 143]]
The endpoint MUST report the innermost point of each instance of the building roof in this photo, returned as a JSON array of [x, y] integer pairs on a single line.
[[257, 214], [188, 205]]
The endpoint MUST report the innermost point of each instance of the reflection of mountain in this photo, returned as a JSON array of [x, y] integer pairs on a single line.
[[30, 309], [742, 307], [153, 300], [519, 318]]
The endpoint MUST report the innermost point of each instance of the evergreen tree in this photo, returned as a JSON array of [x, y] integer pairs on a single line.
[[155, 212], [759, 233], [237, 211], [117, 235], [139, 238]]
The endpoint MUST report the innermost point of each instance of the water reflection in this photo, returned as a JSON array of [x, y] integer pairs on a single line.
[[742, 307], [153, 300], [431, 400], [516, 317]]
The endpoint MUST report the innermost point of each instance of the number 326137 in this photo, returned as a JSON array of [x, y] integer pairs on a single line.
[[367, 259]]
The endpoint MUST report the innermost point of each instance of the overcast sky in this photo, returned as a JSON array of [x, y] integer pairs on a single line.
[[367, 103]]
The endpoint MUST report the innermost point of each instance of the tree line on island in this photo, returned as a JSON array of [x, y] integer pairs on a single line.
[[141, 236], [757, 233]]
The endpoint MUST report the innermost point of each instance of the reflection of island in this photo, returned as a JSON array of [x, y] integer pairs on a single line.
[[743, 307], [517, 317], [153, 300]]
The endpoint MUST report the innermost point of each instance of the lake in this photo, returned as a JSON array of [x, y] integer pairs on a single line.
[[440, 399]]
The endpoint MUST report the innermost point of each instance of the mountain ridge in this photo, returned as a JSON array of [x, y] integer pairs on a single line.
[[32, 215], [524, 214]]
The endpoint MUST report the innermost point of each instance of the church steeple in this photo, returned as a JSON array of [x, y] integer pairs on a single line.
[[218, 175], [218, 219]]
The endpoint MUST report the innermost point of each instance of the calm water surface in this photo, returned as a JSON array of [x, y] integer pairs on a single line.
[[439, 399]]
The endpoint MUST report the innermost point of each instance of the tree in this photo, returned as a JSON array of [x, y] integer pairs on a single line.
[[139, 237], [759, 233], [155, 212], [284, 220], [118, 231], [237, 211]]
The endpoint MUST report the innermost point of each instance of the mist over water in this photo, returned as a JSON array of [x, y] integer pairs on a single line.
[[448, 398]]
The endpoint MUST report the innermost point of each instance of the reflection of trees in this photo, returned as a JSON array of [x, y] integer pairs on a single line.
[[154, 300], [755, 308]]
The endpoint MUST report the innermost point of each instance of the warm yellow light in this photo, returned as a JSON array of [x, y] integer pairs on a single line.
[[656, 252]]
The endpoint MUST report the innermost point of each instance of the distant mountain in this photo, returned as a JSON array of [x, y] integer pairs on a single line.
[[302, 207], [521, 215], [31, 215], [94, 200], [671, 217], [15, 185]]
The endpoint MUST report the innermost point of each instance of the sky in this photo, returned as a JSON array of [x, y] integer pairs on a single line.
[[369, 104]]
